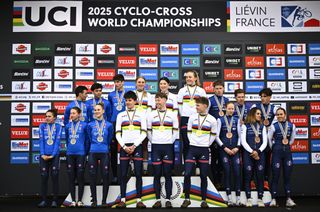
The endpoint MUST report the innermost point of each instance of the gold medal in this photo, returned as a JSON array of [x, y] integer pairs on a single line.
[[221, 113], [100, 139], [131, 127], [257, 139], [161, 128], [229, 135], [285, 141], [73, 141], [50, 142], [266, 122], [199, 133]]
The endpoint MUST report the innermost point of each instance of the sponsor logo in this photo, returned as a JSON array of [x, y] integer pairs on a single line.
[[300, 146], [230, 87], [276, 74], [190, 49], [211, 49], [315, 157], [314, 61], [254, 74], [254, 87], [314, 48], [106, 49], [232, 48], [37, 120], [277, 87], [315, 145], [42, 48], [169, 62], [148, 49], [106, 61], [42, 61], [297, 61], [20, 86], [20, 145], [130, 61], [126, 49], [315, 107], [171, 74], [35, 158], [314, 73], [47, 16], [315, 132], [233, 74], [87, 84], [40, 107], [315, 120], [42, 73], [20, 107], [254, 49], [22, 62], [314, 87], [35, 145], [21, 74], [129, 85], [298, 86], [300, 158], [84, 61], [85, 74], [148, 62], [20, 120], [252, 61], [44, 86], [60, 106], [298, 107], [63, 73], [208, 87], [211, 74], [19, 158], [63, 61], [211, 61], [190, 62], [297, 16], [149, 74], [84, 49], [174, 88], [63, 86], [296, 48], [107, 86], [302, 132], [35, 132], [299, 120], [280, 104], [20, 132], [105, 74], [233, 62], [63, 49], [21, 48], [128, 74], [276, 61], [169, 49], [275, 49], [151, 87], [296, 73]]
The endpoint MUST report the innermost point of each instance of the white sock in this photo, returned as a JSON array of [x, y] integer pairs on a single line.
[[123, 199], [167, 200], [229, 197]]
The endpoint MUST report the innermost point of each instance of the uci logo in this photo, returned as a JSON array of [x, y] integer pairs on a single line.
[[47, 16]]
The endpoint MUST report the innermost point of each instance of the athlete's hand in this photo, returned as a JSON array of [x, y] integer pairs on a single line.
[[235, 150], [254, 154], [228, 151]]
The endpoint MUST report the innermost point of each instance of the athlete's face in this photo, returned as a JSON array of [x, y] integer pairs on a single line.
[[265, 99], [118, 84], [201, 108], [97, 93], [140, 83], [240, 98], [218, 90], [190, 78], [83, 96], [258, 115], [281, 116], [230, 109], [50, 118], [164, 86], [98, 111], [74, 115], [160, 102], [130, 103]]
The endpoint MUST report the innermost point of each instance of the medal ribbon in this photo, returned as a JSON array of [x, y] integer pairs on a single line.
[[266, 114], [50, 132], [74, 130], [100, 129], [255, 130], [240, 114], [284, 132], [200, 125], [220, 104], [229, 125], [131, 119], [164, 116], [191, 96]]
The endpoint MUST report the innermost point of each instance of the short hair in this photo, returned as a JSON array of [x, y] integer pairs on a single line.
[[284, 110], [118, 77], [251, 117], [218, 83], [237, 91], [80, 89], [95, 86], [161, 95], [54, 112], [202, 100], [165, 79], [76, 109], [266, 91], [130, 95]]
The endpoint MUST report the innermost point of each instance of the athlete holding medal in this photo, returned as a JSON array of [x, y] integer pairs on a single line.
[[100, 133], [254, 140], [77, 149], [49, 140], [281, 135]]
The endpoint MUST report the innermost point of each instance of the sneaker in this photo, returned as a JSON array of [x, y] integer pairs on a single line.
[[140, 205], [54, 204], [42, 204], [73, 204], [104, 205], [266, 185], [121, 205], [80, 204], [249, 203], [290, 203], [273, 203], [168, 204], [252, 185], [94, 204], [229, 202], [260, 203], [185, 203], [238, 202], [157, 204], [204, 204]]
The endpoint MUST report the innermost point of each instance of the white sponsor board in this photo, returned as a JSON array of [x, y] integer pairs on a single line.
[[20, 120], [20, 107]]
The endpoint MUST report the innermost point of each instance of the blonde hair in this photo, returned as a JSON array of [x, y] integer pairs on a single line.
[[251, 117], [144, 93], [196, 75]]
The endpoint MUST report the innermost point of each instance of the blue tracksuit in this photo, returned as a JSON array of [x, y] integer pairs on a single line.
[[82, 105], [81, 147], [246, 110], [90, 108], [112, 98]]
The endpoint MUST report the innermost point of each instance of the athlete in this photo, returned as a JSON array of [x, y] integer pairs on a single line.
[[241, 107], [172, 103]]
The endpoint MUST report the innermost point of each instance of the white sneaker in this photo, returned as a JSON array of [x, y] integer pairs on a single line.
[[230, 203], [197, 171], [73, 204], [238, 202], [260, 203], [273, 203], [290, 203], [249, 202], [80, 204]]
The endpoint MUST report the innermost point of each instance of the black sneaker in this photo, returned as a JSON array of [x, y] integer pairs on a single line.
[[157, 204], [54, 204], [94, 204], [185, 203], [42, 204], [204, 204], [168, 204]]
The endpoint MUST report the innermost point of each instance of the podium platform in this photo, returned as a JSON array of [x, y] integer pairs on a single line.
[[214, 198]]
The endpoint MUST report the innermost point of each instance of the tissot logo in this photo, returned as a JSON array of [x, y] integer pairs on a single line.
[[299, 120], [47, 16], [254, 49], [39, 61], [63, 49], [106, 61], [148, 49], [298, 107], [21, 74], [124, 49], [212, 61], [233, 49], [130, 61], [233, 62], [211, 74]]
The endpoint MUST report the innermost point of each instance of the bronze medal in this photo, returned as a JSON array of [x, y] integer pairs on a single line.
[[266, 122], [221, 113], [257, 139], [285, 141], [229, 135]]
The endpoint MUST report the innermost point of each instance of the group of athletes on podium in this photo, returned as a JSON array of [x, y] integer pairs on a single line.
[[236, 134]]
